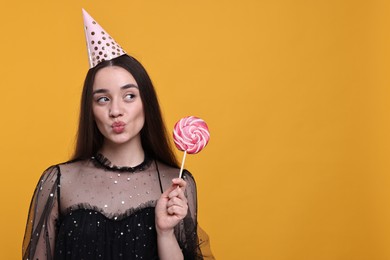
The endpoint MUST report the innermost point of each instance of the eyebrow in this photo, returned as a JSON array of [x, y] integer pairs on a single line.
[[103, 90]]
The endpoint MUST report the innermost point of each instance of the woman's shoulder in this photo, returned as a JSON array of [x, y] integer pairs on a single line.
[[64, 167], [169, 172], [72, 164]]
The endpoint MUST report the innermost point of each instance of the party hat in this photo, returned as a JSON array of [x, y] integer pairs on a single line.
[[100, 45]]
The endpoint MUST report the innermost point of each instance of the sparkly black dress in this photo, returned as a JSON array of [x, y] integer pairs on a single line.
[[91, 209]]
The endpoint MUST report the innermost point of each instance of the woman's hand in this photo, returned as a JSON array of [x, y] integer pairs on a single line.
[[171, 207]]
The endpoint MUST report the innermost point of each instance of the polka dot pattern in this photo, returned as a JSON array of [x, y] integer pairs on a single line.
[[101, 46]]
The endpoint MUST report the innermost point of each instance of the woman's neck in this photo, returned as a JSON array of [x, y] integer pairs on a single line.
[[123, 155]]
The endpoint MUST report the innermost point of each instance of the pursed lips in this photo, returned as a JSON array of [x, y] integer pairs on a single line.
[[118, 127]]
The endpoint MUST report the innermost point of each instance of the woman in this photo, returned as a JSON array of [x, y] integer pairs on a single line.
[[119, 198]]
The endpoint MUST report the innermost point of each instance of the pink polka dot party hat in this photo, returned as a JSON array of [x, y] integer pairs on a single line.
[[100, 45]]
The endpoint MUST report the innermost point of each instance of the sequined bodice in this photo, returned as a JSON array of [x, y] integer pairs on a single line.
[[107, 212], [88, 234]]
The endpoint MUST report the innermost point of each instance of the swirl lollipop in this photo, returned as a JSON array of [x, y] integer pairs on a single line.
[[190, 135]]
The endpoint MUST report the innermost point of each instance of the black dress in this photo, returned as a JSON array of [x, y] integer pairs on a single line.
[[91, 209]]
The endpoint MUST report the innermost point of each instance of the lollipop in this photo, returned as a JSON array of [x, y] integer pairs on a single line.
[[190, 135]]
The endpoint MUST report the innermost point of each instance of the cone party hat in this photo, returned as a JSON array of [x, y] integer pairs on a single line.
[[100, 45]]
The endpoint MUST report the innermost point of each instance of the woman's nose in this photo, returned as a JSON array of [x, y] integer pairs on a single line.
[[115, 109]]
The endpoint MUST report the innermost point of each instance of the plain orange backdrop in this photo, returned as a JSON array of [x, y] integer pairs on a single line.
[[296, 95]]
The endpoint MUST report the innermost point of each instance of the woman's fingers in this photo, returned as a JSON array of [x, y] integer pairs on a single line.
[[177, 201], [179, 182], [176, 183], [177, 192], [179, 210], [172, 206]]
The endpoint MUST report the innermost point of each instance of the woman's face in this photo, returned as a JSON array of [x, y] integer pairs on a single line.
[[117, 106]]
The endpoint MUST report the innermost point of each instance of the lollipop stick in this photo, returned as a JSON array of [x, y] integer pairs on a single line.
[[182, 164]]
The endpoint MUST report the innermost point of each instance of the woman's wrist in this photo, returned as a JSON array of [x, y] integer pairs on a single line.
[[165, 232], [168, 247]]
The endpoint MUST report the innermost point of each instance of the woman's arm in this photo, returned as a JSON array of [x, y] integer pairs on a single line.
[[39, 237], [171, 208]]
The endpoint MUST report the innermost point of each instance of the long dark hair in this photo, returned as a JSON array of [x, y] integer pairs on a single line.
[[154, 137]]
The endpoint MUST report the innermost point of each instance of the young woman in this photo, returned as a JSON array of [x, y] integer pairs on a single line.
[[119, 197]]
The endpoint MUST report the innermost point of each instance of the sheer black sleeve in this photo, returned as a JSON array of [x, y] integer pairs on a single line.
[[186, 231], [198, 243], [39, 237]]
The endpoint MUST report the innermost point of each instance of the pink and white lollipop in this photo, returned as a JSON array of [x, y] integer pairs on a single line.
[[190, 135]]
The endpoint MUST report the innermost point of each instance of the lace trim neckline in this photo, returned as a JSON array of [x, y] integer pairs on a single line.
[[103, 162], [112, 216]]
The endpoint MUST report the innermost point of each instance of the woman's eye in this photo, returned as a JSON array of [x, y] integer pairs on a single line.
[[129, 96], [102, 100]]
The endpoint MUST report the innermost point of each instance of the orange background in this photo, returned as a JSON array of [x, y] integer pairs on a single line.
[[295, 93]]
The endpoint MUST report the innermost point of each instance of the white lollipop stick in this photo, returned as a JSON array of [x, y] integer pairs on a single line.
[[182, 164]]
